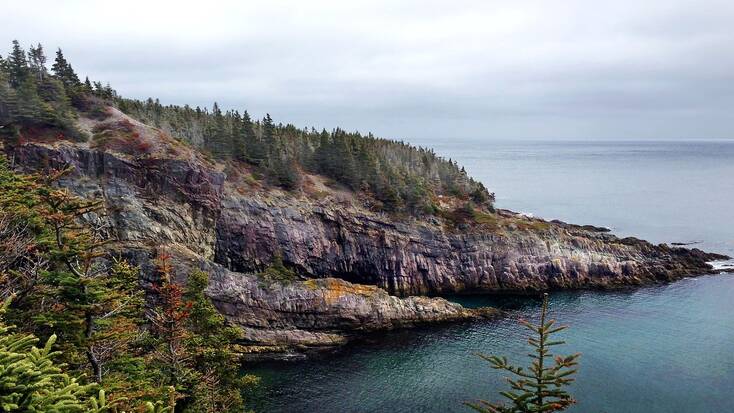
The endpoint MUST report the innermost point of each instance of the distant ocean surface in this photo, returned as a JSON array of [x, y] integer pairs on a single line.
[[661, 349]]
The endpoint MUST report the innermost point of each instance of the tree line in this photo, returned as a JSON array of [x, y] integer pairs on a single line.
[[400, 177], [34, 99]]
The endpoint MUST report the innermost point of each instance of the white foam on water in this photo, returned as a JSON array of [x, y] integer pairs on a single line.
[[724, 265]]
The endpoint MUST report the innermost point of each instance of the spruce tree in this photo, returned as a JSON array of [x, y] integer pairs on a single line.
[[88, 85], [30, 109], [168, 325], [17, 65], [542, 386], [268, 132], [64, 72], [30, 380], [218, 139], [254, 148], [238, 137], [324, 157], [60, 64], [268, 128], [210, 345], [37, 60], [91, 305], [8, 106], [193, 345]]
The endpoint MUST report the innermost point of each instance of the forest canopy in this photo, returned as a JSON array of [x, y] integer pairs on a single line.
[[399, 177]]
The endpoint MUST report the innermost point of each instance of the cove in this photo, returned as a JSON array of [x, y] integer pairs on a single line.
[[656, 349], [659, 349]]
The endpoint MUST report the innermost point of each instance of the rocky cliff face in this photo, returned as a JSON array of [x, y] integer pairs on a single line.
[[210, 218], [173, 205], [417, 258]]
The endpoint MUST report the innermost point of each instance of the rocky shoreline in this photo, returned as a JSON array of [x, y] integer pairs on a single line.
[[356, 270]]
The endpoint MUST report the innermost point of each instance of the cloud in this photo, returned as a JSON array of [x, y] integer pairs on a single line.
[[415, 70]]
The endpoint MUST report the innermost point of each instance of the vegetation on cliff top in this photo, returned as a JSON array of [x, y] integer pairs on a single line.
[[399, 177]]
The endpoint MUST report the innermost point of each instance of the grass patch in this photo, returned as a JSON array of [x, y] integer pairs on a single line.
[[278, 272]]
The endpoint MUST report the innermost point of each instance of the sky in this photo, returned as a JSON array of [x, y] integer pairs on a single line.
[[413, 70]]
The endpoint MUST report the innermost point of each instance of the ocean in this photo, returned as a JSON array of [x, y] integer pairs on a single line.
[[666, 349]]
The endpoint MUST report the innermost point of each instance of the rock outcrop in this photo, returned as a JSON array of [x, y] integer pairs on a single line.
[[519, 254], [290, 319], [348, 258], [321, 313]]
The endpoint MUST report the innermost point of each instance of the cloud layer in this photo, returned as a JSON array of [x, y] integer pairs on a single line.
[[415, 70]]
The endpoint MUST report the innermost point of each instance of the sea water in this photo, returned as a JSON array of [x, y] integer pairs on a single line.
[[666, 348]]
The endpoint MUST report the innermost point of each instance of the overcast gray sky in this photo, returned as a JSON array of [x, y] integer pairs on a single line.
[[414, 70]]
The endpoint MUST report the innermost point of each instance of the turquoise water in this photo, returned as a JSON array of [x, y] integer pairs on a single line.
[[655, 349]]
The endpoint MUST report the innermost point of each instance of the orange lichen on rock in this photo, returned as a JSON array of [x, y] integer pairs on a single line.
[[335, 288]]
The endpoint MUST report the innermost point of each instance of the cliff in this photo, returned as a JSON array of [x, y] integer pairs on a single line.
[[161, 194]]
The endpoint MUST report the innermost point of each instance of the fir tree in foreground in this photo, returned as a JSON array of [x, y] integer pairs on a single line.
[[541, 387], [31, 380], [70, 290]]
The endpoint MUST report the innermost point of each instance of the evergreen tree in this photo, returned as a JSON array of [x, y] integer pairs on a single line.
[[540, 388], [37, 60], [254, 148], [30, 109], [98, 88], [8, 106], [284, 170], [268, 132], [218, 139], [60, 64], [90, 305], [324, 157], [88, 85], [194, 345], [344, 168], [239, 148], [109, 93], [64, 72], [219, 387], [17, 65], [31, 380], [268, 129], [169, 320]]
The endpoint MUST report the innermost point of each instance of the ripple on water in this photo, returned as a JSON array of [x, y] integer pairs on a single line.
[[656, 349]]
